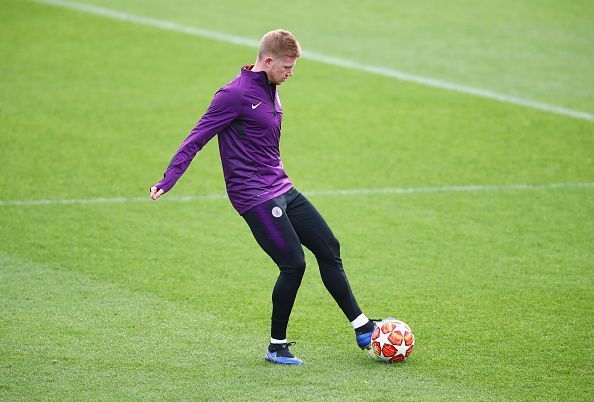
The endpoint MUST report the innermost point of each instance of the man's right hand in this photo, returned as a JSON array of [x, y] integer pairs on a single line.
[[156, 194]]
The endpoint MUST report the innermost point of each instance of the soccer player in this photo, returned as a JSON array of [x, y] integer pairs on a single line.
[[246, 114]]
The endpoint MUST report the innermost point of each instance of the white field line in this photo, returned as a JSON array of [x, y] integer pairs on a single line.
[[350, 64], [314, 193]]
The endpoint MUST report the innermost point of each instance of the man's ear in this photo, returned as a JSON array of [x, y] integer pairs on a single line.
[[268, 61]]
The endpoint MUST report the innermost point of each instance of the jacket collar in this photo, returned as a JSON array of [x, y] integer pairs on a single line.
[[259, 76]]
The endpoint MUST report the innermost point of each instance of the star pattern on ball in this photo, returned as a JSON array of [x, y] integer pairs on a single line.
[[392, 340]]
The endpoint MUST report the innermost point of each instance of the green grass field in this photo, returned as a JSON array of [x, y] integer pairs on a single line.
[[171, 299]]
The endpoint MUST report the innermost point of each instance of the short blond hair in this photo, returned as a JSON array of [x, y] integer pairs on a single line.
[[279, 43]]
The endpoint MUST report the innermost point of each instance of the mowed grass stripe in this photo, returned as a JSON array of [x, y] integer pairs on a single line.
[[66, 335], [327, 59], [310, 193], [358, 132]]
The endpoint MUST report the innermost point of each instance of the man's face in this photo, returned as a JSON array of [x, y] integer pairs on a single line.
[[279, 69]]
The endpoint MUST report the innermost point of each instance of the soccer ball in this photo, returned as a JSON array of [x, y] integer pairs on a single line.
[[392, 340]]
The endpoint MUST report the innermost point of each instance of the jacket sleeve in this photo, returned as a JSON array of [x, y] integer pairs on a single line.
[[223, 109]]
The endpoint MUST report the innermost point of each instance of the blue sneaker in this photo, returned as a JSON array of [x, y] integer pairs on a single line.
[[280, 354], [364, 338]]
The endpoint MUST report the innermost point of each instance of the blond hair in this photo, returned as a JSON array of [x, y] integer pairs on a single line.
[[279, 43]]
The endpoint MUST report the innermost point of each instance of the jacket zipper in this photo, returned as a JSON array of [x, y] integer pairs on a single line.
[[272, 92]]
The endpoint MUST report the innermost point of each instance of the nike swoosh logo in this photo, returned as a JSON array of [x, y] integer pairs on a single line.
[[255, 106]]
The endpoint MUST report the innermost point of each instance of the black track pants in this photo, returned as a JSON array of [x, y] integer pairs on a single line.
[[281, 226]]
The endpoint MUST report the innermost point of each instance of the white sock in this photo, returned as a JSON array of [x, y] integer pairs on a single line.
[[278, 341], [359, 321]]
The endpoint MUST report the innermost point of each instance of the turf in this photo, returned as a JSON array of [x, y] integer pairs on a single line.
[[170, 300], [535, 49]]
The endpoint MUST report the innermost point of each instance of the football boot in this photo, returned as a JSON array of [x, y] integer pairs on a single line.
[[280, 354]]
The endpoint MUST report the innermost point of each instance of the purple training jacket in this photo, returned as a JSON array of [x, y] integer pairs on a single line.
[[247, 115]]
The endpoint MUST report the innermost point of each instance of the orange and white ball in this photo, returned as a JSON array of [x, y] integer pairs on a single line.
[[392, 340]]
